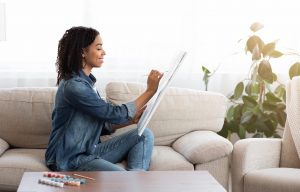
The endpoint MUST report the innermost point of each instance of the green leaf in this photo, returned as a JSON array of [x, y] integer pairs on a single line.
[[274, 77], [255, 88], [271, 124], [280, 106], [268, 49], [269, 106], [252, 88], [256, 110], [270, 128], [264, 116], [234, 126], [265, 71], [256, 26], [225, 129], [276, 135], [254, 41], [246, 117], [205, 70], [249, 101], [258, 135], [242, 132], [273, 117], [206, 76], [272, 98], [279, 91], [248, 88], [275, 54], [238, 90], [281, 116], [294, 70], [228, 128], [261, 126], [230, 112], [250, 128], [237, 113]]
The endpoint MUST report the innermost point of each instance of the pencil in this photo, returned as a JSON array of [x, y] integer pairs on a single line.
[[148, 74], [84, 176]]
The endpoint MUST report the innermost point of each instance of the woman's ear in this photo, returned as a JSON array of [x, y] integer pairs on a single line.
[[83, 53]]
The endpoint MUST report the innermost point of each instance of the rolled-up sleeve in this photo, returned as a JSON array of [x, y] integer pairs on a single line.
[[131, 108], [81, 95]]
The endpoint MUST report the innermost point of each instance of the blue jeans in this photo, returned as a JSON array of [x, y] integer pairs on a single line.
[[137, 150]]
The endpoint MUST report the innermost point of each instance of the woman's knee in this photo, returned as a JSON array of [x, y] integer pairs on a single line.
[[148, 134], [100, 165]]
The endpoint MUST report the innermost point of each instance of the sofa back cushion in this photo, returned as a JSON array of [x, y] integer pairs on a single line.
[[25, 116], [180, 111]]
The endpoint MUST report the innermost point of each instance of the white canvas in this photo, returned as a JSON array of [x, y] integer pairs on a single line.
[[154, 101]]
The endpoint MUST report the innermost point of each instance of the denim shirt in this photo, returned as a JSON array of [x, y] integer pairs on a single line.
[[79, 117]]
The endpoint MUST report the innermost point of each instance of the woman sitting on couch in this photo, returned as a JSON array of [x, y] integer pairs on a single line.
[[80, 116]]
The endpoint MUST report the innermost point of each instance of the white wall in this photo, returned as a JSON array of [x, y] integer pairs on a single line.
[[140, 34]]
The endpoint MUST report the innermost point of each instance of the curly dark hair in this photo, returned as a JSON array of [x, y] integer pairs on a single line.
[[70, 49]]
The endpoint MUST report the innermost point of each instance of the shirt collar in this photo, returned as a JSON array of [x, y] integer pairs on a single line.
[[91, 78]]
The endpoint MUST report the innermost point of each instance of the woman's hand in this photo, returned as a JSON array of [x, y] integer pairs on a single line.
[[153, 81], [152, 85]]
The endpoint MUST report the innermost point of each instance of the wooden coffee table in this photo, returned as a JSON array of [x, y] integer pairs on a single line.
[[129, 181]]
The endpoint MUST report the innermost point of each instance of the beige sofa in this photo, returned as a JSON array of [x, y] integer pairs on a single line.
[[271, 165], [184, 125]]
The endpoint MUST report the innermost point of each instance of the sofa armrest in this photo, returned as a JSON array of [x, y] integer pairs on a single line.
[[202, 146], [3, 146], [253, 154]]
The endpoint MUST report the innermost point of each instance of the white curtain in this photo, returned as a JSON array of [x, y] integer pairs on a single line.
[[139, 35]]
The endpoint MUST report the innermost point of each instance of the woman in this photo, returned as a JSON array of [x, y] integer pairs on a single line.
[[80, 116]]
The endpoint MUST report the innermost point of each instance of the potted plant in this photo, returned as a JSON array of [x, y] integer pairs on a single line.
[[258, 102]]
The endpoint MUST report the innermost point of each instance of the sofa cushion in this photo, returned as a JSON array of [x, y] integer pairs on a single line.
[[14, 162], [25, 116], [181, 110], [164, 158], [202, 146], [3, 146], [272, 180]]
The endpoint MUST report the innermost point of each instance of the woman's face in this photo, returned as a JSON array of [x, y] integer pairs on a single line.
[[94, 54]]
